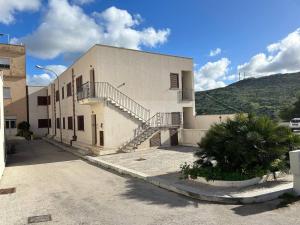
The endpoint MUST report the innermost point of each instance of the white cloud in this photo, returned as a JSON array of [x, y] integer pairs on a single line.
[[8, 8], [215, 52], [281, 57], [57, 68], [82, 2], [45, 78], [40, 79], [66, 29], [212, 75]]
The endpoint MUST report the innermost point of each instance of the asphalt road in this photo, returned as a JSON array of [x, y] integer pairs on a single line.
[[49, 181]]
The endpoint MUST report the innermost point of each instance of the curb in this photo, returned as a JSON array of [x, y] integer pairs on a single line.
[[177, 188]]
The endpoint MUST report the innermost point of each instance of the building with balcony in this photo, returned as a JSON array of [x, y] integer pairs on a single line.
[[13, 70], [116, 99]]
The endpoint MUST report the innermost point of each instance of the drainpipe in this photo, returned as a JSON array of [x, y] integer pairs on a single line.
[[73, 101]]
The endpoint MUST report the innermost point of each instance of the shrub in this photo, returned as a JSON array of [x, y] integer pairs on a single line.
[[23, 130], [246, 146]]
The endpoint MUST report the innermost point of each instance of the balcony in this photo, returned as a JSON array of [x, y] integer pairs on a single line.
[[186, 95]]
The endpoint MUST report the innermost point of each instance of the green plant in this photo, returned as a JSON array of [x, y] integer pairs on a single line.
[[23, 130], [246, 146]]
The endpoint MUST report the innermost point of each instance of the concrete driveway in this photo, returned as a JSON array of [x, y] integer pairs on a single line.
[[49, 181]]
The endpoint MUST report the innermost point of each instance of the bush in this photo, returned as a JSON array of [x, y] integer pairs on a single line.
[[23, 130], [244, 147]]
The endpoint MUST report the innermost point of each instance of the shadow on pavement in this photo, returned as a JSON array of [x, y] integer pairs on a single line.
[[36, 152], [142, 191], [252, 209]]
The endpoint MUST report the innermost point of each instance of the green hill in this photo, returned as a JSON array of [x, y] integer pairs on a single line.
[[264, 96]]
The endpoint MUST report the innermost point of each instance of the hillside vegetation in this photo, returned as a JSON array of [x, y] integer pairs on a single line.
[[263, 96]]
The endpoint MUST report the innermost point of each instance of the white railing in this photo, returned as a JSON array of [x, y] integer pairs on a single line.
[[108, 92]]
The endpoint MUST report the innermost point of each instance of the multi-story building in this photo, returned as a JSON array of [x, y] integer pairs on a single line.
[[37, 101], [12, 65], [2, 142], [118, 99]]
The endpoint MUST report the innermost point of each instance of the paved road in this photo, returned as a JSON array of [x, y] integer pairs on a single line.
[[49, 181]]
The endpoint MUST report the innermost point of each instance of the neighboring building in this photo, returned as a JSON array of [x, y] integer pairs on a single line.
[[119, 99], [2, 143], [12, 64], [38, 117]]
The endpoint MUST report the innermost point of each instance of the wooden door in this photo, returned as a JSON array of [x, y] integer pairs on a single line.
[[101, 134], [94, 129], [173, 137]]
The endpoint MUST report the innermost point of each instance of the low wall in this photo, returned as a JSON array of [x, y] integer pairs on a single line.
[[191, 137], [206, 121]]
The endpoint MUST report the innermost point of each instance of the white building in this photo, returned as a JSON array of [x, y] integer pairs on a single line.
[[116, 99], [2, 140]]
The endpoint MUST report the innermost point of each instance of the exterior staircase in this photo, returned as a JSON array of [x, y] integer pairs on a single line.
[[91, 92], [156, 123]]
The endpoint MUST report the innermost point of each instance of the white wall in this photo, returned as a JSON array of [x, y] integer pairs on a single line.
[[147, 81], [2, 140], [36, 111]]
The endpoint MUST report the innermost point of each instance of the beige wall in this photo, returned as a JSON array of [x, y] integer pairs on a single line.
[[2, 143], [191, 137], [16, 106], [195, 127], [203, 122], [15, 78], [36, 111], [147, 81]]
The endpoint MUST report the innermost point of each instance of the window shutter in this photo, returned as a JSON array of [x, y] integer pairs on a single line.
[[70, 122], [174, 82]]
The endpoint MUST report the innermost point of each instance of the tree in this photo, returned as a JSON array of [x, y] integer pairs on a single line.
[[23, 130], [292, 111], [246, 145]]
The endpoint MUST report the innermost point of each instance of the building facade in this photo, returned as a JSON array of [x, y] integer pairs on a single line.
[[121, 99], [2, 139], [12, 65], [37, 100]]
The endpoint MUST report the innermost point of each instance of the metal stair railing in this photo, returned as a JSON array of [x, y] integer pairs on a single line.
[[159, 121], [108, 92]]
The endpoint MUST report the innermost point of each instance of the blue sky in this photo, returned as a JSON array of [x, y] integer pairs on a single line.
[[257, 37]]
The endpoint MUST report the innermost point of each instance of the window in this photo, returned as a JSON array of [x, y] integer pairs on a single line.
[[80, 122], [70, 123], [176, 118], [4, 63], [58, 123], [57, 95], [49, 99], [174, 81], [44, 123], [42, 100], [62, 93], [6, 93], [13, 124], [69, 89], [64, 123], [78, 83], [10, 124]]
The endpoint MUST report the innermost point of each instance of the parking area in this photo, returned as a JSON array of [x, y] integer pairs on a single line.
[[154, 161], [51, 184]]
